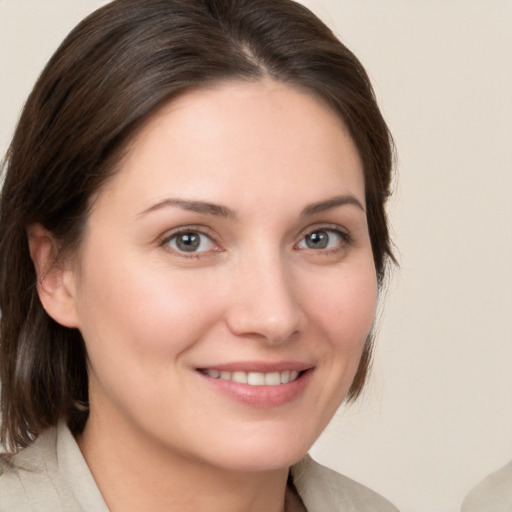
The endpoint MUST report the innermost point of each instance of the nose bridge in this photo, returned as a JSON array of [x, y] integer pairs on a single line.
[[264, 301]]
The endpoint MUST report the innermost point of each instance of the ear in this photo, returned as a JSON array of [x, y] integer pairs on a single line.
[[56, 284]]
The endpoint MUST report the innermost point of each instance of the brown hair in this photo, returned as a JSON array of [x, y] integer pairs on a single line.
[[113, 71]]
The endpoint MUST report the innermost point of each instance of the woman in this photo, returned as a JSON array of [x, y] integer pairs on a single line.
[[193, 235]]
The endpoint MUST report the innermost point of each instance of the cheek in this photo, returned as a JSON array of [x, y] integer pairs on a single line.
[[347, 311], [344, 314], [144, 311], [138, 325]]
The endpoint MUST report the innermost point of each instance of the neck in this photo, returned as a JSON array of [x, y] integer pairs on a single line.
[[137, 474]]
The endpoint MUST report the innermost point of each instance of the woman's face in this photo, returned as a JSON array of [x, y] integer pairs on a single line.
[[226, 284]]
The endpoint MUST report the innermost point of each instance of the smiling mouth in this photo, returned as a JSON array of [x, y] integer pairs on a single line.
[[254, 378]]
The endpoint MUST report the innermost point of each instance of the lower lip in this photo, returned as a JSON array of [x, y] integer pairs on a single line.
[[261, 396]]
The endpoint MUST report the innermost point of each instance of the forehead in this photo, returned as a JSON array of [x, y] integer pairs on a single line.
[[218, 139]]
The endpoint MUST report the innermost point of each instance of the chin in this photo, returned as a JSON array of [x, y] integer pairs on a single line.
[[262, 453]]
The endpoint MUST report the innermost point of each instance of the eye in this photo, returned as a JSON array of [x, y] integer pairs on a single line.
[[322, 239], [190, 242]]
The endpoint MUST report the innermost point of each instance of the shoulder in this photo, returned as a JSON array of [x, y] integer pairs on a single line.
[[26, 478], [324, 490], [12, 493], [493, 494]]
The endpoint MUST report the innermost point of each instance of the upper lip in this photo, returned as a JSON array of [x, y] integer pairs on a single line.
[[258, 366]]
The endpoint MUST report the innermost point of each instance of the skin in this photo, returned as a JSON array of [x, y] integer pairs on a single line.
[[161, 435]]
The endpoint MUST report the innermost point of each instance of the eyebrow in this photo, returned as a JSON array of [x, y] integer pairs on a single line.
[[223, 211], [333, 202], [194, 206]]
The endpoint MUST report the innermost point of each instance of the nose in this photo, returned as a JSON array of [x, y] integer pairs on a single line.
[[264, 302]]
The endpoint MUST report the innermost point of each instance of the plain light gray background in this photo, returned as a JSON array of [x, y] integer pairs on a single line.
[[437, 414]]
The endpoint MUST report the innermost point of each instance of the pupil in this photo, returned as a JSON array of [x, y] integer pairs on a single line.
[[317, 240], [188, 242]]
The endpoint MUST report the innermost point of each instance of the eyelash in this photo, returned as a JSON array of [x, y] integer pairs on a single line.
[[345, 237], [166, 240]]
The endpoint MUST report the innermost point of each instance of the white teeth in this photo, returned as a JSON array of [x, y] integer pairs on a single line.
[[255, 378], [240, 377], [285, 377], [272, 379]]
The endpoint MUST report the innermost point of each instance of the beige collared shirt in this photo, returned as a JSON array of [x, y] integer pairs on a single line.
[[52, 475], [493, 494]]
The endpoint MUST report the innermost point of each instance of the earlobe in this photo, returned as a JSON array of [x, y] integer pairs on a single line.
[[55, 282]]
